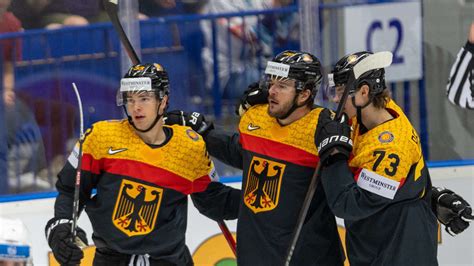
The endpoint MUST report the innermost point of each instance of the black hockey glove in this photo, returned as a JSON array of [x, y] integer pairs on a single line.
[[58, 234], [452, 210], [334, 137], [255, 94], [195, 120]]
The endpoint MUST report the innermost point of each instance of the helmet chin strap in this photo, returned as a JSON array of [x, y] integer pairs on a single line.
[[359, 112], [294, 106], [158, 116]]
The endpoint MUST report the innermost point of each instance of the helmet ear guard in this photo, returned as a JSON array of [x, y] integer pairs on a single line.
[[374, 78]]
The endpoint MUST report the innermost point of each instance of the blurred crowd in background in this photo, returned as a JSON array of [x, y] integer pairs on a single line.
[[47, 44], [30, 167]]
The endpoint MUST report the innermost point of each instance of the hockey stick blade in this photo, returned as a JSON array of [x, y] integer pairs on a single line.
[[373, 61], [111, 7]]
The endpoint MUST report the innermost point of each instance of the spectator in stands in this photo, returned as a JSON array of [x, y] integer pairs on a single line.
[[160, 8], [237, 53], [26, 155], [60, 13], [29, 12], [460, 88], [280, 31], [25, 147], [9, 23]]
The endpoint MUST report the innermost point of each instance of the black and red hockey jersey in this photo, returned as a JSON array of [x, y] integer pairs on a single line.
[[278, 163], [383, 196], [140, 205]]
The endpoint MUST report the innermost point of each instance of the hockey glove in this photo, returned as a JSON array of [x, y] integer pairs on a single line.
[[195, 120], [255, 94], [58, 234], [452, 210], [334, 137]]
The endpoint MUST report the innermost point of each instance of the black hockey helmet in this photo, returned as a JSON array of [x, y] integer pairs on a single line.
[[374, 78], [144, 77], [302, 67]]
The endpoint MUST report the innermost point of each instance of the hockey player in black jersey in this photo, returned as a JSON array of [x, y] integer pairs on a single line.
[[275, 148], [451, 209], [142, 172], [383, 190]]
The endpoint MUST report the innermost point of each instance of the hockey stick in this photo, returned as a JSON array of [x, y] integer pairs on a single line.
[[77, 184], [374, 61], [111, 7], [228, 236]]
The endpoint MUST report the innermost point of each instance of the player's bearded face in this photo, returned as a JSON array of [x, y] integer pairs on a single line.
[[282, 93], [143, 108]]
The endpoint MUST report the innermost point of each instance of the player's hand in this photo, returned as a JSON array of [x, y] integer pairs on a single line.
[[254, 94], [334, 137], [59, 236], [452, 210], [195, 120]]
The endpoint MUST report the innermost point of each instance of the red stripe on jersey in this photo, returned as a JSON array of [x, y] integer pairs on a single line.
[[402, 182], [90, 164], [158, 176], [356, 171], [278, 150]]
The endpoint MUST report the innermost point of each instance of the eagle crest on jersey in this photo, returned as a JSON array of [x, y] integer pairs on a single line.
[[263, 185], [136, 208]]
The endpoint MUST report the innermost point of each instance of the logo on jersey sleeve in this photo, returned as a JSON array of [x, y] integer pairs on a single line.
[[263, 185], [136, 208]]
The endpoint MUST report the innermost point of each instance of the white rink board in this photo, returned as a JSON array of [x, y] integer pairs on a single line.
[[452, 251]]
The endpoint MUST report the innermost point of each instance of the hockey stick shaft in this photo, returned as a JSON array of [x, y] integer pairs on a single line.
[[375, 61], [228, 236], [77, 183], [111, 7]]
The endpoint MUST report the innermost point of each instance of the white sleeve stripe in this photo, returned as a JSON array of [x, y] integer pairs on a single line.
[[459, 66], [73, 157], [213, 175], [466, 99]]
